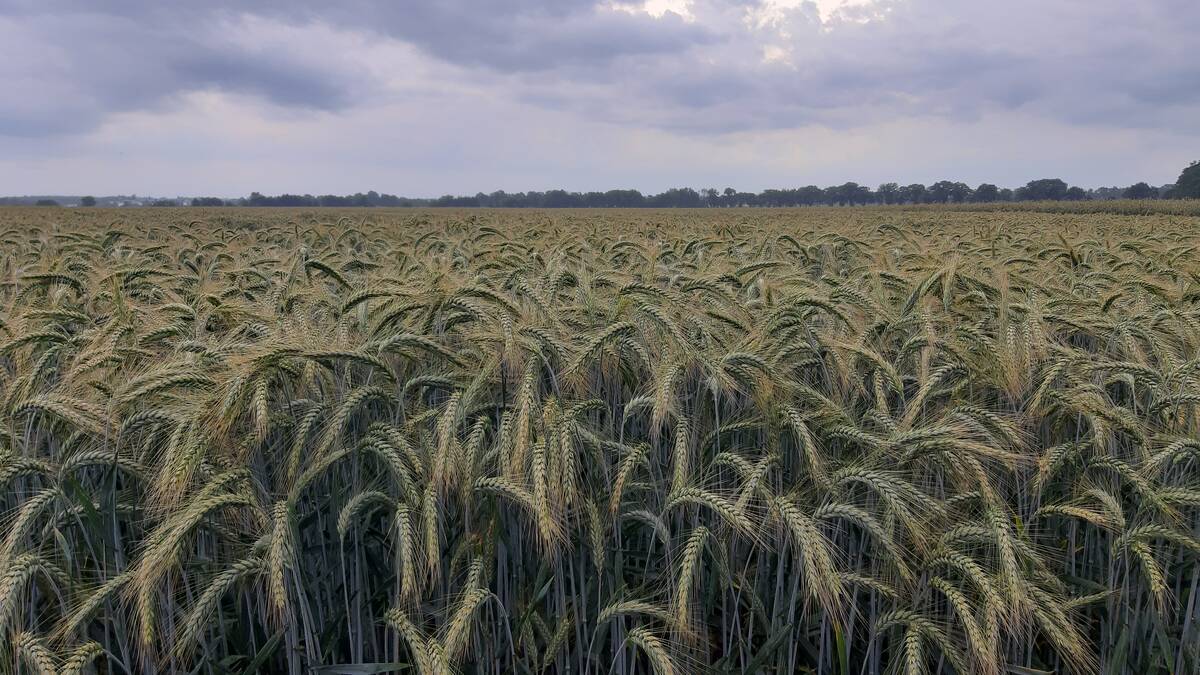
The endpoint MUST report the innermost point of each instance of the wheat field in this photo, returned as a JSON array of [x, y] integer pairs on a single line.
[[728, 441]]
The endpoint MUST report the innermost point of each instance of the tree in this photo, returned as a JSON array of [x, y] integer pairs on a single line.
[[1075, 194], [848, 193], [87, 201], [1051, 189], [45, 202], [810, 195], [914, 194], [676, 198], [772, 197], [1188, 185], [1139, 191], [860, 194], [1109, 193], [746, 199], [949, 191], [986, 192], [561, 199], [624, 198], [889, 193]]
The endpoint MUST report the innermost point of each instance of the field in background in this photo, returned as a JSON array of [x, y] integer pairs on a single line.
[[1123, 207], [492, 441]]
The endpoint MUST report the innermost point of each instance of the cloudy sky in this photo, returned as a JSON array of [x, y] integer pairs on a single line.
[[428, 97]]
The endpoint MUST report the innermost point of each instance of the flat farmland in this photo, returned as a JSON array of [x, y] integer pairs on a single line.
[[835, 440]]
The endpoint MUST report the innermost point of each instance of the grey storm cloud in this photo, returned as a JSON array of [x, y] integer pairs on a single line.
[[75, 62], [528, 36], [727, 66], [70, 70]]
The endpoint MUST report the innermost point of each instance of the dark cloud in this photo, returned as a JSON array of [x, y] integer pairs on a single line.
[[118, 55], [75, 68], [278, 80], [730, 66], [523, 35]]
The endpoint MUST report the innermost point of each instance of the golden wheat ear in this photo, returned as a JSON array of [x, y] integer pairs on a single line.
[[891, 440]]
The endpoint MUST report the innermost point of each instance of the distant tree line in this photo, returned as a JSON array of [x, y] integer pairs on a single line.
[[371, 198], [846, 194]]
